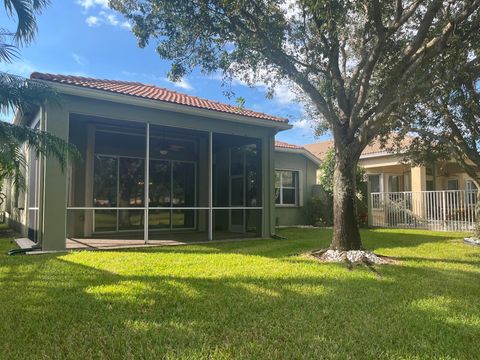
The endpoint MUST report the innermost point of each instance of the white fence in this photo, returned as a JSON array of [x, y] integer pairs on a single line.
[[449, 210]]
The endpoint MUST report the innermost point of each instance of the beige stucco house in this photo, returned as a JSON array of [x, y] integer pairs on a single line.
[[440, 196]]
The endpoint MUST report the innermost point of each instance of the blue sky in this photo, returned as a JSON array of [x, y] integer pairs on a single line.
[[84, 37]]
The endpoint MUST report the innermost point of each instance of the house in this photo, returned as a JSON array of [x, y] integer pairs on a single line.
[[156, 165], [295, 177], [439, 197]]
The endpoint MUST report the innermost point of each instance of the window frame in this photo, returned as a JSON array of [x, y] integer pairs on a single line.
[[471, 192], [376, 204], [296, 188], [453, 180]]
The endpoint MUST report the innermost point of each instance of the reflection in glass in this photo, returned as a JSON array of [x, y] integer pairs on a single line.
[[105, 220], [237, 192], [159, 219], [183, 184], [131, 182], [160, 183], [130, 219], [183, 218], [105, 181], [252, 171]]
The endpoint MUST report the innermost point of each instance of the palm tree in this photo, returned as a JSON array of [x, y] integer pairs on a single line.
[[24, 95]]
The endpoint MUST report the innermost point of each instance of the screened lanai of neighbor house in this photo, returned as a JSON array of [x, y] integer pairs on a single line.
[[157, 166]]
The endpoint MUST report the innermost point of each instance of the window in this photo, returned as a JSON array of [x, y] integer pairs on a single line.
[[286, 187], [375, 186], [374, 181], [452, 184], [430, 185], [394, 183], [471, 190]]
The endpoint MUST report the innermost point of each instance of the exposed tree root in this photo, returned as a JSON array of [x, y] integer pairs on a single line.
[[353, 257]]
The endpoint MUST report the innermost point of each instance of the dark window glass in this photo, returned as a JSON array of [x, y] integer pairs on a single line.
[[183, 184], [131, 182], [289, 196], [160, 183], [183, 218], [105, 220], [105, 181], [159, 219], [374, 183], [286, 187], [130, 219]]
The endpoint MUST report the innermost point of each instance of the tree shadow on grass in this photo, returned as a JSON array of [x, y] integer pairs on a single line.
[[302, 241], [79, 306]]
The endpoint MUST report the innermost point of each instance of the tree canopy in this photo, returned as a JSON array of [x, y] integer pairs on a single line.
[[352, 63]]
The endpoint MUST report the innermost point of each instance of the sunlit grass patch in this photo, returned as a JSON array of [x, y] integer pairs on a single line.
[[259, 299]]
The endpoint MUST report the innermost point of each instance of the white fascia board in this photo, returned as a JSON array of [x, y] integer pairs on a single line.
[[163, 105]]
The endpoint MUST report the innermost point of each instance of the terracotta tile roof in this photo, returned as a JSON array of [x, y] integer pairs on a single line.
[[282, 144], [154, 93], [301, 149], [320, 149]]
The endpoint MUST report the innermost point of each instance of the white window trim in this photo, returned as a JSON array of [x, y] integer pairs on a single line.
[[380, 185], [298, 190], [453, 179]]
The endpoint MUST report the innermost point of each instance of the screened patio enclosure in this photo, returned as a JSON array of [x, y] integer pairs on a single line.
[[152, 182]]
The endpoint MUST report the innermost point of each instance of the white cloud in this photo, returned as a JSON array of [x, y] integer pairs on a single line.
[[284, 94], [87, 4], [110, 19], [106, 18], [92, 21], [126, 25], [302, 124], [182, 84], [80, 60]]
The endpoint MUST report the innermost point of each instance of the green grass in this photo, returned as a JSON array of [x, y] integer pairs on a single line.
[[245, 300]]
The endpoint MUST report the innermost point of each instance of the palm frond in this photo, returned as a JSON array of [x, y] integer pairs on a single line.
[[26, 12], [43, 143], [8, 51], [23, 94]]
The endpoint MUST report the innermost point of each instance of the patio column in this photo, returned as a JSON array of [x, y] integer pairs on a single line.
[[54, 204], [419, 197], [268, 185], [147, 182], [210, 185]]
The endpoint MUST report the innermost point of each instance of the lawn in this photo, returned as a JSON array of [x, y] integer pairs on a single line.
[[245, 299]]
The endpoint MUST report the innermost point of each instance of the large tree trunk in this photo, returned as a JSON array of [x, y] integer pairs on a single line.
[[346, 233]]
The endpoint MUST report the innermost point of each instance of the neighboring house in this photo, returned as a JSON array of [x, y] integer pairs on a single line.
[[295, 176], [421, 196], [210, 167]]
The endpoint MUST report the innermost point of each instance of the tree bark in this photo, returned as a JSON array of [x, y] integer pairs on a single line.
[[346, 233]]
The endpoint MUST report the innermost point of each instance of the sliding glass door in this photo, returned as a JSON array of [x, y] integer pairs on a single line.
[[118, 182], [183, 194], [172, 184]]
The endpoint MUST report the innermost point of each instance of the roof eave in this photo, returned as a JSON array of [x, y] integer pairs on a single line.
[[163, 105], [302, 151]]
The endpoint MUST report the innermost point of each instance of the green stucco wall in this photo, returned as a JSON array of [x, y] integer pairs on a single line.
[[57, 121], [296, 215]]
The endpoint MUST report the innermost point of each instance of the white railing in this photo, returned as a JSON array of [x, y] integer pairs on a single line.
[[448, 210]]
